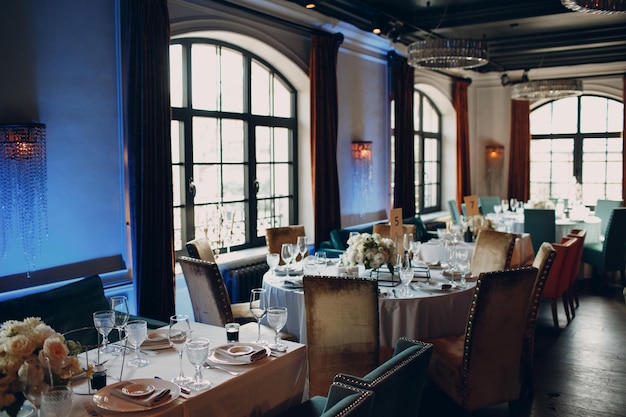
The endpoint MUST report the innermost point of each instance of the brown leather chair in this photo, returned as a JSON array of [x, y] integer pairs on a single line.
[[211, 303], [492, 252], [200, 248], [483, 366], [276, 236], [543, 262], [342, 328]]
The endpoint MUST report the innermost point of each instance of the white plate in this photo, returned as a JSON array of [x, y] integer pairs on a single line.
[[157, 340], [138, 390], [103, 400], [225, 360]]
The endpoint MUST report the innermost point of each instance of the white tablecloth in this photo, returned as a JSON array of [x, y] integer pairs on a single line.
[[421, 315], [271, 385], [563, 226]]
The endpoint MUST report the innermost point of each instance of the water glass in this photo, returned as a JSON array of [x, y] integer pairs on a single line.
[[287, 252], [273, 259], [178, 334], [258, 308], [197, 353], [104, 321], [56, 402], [406, 274], [320, 262], [136, 333], [277, 318], [301, 246], [119, 304]]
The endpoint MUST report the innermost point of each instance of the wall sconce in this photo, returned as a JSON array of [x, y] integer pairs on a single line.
[[23, 188], [494, 161], [363, 172]]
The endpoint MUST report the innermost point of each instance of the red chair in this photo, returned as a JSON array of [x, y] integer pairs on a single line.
[[573, 288], [558, 280]]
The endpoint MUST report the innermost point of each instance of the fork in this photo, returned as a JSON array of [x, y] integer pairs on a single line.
[[212, 366]]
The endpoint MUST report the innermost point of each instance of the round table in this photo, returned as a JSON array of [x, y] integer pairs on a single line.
[[424, 314]]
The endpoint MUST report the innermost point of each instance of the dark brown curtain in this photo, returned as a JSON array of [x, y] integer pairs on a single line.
[[624, 143], [463, 180], [519, 151], [146, 39], [324, 115], [402, 81]]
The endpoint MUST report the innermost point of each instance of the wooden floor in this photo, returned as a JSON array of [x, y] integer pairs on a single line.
[[579, 370]]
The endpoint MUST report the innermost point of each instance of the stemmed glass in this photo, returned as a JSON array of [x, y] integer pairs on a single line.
[[104, 321], [513, 204], [178, 334], [273, 259], [258, 308], [415, 250], [497, 209], [287, 251], [197, 353], [505, 205], [320, 262], [406, 241], [406, 274], [277, 318], [119, 304], [451, 253], [137, 332], [301, 247], [462, 256]]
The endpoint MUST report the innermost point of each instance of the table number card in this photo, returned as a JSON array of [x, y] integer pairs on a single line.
[[395, 220], [471, 205]]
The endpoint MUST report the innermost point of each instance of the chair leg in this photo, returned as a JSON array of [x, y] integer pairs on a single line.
[[566, 307], [570, 301], [574, 288], [555, 317]]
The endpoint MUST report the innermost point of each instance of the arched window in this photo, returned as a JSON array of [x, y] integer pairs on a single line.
[[577, 140], [233, 144], [427, 153]]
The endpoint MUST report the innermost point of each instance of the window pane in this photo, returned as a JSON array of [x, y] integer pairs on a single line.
[[233, 182], [616, 116], [232, 81], [593, 112], [232, 141], [282, 99], [431, 118], [261, 93], [206, 140], [208, 183], [176, 75], [568, 124], [177, 145], [541, 120], [263, 144], [282, 148], [178, 185], [205, 77], [178, 238]]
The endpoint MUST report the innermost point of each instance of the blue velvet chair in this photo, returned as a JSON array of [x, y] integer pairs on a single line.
[[454, 212], [609, 255], [487, 202], [342, 400], [541, 224], [398, 383], [603, 210]]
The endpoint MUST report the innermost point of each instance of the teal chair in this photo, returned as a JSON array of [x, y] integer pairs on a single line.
[[398, 383], [541, 224], [454, 212], [603, 210], [342, 400], [487, 202], [609, 255]]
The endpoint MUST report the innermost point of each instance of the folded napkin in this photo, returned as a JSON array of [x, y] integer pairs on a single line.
[[156, 338], [151, 400], [293, 283], [257, 354]]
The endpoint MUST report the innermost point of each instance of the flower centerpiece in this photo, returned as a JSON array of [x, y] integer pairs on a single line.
[[370, 250], [32, 354]]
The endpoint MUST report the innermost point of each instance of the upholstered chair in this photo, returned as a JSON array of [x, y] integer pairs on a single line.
[[573, 288], [210, 300], [276, 236], [342, 328], [398, 382], [541, 224], [487, 202], [453, 207], [492, 252], [603, 210], [609, 255], [342, 400], [483, 366], [200, 248], [543, 262], [557, 282]]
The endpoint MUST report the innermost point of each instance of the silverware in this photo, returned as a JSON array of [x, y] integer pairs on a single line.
[[213, 366]]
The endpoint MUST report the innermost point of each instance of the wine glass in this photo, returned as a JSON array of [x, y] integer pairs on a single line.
[[406, 274], [258, 308], [56, 401], [406, 241], [513, 204], [197, 353], [320, 262], [178, 334], [451, 253], [104, 321], [504, 203], [415, 249], [136, 333], [277, 318], [497, 209], [119, 304], [462, 255], [301, 246], [33, 387], [286, 252], [273, 259]]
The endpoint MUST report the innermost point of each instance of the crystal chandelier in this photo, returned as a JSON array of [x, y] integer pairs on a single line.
[[596, 6], [448, 53], [23, 188], [547, 89]]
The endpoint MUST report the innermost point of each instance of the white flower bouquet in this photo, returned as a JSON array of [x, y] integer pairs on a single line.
[[31, 354], [370, 250]]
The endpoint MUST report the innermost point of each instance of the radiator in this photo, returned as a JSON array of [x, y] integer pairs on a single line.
[[240, 280]]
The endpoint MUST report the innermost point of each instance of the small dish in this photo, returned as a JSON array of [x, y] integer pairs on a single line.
[[138, 390], [239, 350]]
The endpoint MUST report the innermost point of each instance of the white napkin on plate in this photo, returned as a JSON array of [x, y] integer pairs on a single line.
[[151, 400], [256, 354]]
